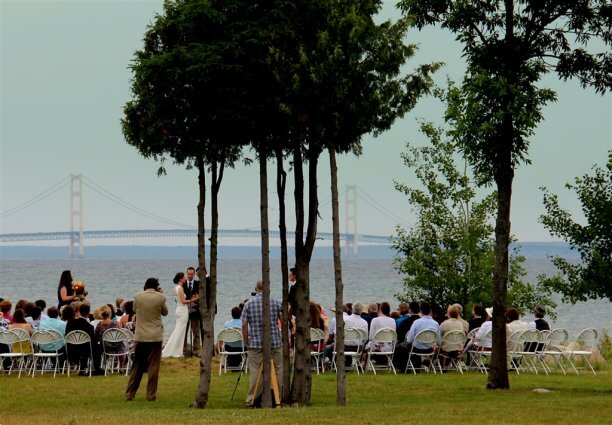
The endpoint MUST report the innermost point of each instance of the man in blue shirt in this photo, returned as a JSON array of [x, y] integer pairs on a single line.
[[252, 332], [54, 324]]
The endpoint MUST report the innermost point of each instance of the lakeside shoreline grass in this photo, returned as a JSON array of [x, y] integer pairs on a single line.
[[380, 399]]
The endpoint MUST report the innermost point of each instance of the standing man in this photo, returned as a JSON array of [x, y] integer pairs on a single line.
[[192, 287], [252, 334], [292, 290], [150, 306]]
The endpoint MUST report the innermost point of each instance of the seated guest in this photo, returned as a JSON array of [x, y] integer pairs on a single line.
[[80, 353], [514, 325], [383, 320], [102, 326], [479, 316], [5, 308], [118, 307], [19, 322], [42, 304], [539, 323], [53, 323], [233, 323], [405, 325], [451, 324], [372, 313], [355, 320], [403, 312], [424, 322], [466, 325], [485, 328], [128, 319]]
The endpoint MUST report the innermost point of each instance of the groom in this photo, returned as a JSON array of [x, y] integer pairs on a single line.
[[192, 287]]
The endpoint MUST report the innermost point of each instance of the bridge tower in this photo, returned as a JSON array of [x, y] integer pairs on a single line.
[[351, 220], [76, 213]]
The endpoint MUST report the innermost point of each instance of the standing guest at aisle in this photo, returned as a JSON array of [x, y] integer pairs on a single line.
[[252, 334], [292, 291], [150, 306], [191, 289]]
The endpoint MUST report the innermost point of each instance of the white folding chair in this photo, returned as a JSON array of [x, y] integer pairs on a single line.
[[231, 336], [316, 348], [76, 343], [46, 346], [382, 344], [555, 346], [481, 351], [115, 351], [529, 341], [586, 343], [18, 342], [428, 338], [353, 340], [451, 350], [514, 349]]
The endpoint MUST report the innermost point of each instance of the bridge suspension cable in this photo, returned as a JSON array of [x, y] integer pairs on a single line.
[[378, 207], [114, 198], [36, 199]]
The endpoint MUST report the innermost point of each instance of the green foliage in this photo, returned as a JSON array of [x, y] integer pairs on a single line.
[[592, 277], [447, 256]]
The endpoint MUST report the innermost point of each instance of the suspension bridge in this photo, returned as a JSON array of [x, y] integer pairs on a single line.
[[76, 234]]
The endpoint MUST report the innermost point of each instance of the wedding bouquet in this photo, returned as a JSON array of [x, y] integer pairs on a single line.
[[79, 289]]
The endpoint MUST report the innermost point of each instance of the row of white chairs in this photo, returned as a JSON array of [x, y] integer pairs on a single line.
[[46, 349], [531, 349]]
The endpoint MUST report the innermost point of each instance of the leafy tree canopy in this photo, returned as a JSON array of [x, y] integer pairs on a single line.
[[447, 256], [592, 277]]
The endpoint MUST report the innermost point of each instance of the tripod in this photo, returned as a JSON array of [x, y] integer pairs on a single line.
[[274, 383]]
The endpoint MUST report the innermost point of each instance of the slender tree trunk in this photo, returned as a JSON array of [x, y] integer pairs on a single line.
[[281, 180], [265, 275], [504, 174], [341, 373], [201, 396], [302, 380]]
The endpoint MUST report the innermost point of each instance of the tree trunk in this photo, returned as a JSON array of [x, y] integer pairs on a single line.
[[504, 174], [341, 373], [281, 179], [265, 275], [201, 396], [302, 380]]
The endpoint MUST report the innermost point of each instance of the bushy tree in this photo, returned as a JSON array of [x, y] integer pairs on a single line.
[[591, 278]]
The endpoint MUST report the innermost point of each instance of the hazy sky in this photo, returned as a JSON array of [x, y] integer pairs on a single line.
[[65, 78]]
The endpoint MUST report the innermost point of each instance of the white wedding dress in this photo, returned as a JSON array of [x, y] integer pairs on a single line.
[[174, 346]]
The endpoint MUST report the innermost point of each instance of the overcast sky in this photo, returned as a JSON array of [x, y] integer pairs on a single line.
[[65, 79]]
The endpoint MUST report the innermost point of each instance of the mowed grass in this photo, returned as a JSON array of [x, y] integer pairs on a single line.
[[381, 399]]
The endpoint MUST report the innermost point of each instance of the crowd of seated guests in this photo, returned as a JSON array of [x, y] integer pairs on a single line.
[[34, 316]]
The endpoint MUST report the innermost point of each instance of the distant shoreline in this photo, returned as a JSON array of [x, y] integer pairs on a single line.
[[137, 252]]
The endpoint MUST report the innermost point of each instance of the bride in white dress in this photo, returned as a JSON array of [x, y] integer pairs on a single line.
[[174, 346]]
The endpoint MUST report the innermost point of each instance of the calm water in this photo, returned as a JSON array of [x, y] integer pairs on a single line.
[[365, 280]]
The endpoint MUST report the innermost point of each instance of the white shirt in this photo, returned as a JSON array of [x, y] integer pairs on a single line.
[[355, 321], [381, 322]]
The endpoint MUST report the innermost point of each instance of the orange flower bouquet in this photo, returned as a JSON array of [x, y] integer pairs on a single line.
[[79, 289]]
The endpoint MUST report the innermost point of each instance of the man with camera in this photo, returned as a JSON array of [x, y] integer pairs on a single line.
[[150, 306], [252, 334]]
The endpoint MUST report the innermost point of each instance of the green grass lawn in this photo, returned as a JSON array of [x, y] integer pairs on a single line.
[[382, 399]]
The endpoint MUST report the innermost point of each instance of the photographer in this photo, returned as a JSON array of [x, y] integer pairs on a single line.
[[252, 333], [150, 306]]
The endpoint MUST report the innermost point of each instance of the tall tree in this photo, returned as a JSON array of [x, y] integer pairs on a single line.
[[360, 88], [187, 105], [447, 256], [509, 45], [592, 277]]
